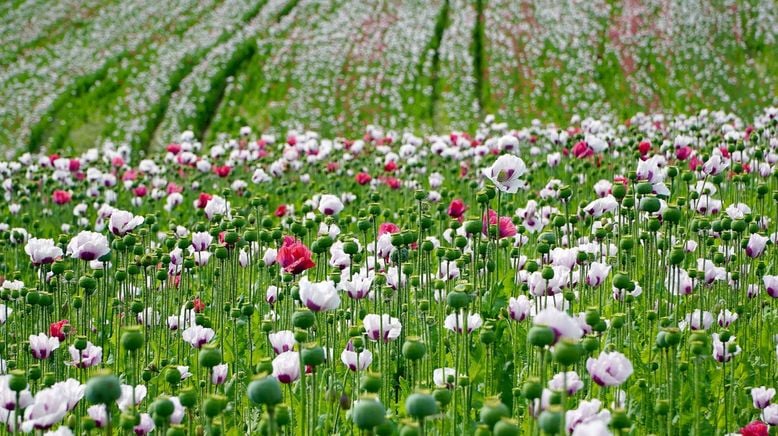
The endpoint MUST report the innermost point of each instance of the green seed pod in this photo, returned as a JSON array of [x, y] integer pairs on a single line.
[[591, 344], [506, 427], [213, 405], [104, 388], [458, 299], [128, 420], [662, 407], [164, 407], [413, 348], [540, 336], [17, 381], [532, 389], [620, 420], [303, 319], [313, 355], [644, 188], [492, 411], [552, 420], [621, 281], [209, 356], [188, 396], [265, 390], [650, 204], [421, 405], [132, 338], [368, 412], [370, 382], [442, 396], [567, 352], [173, 376]]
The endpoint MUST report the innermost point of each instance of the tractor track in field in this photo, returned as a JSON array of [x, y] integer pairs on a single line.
[[239, 59], [81, 86], [441, 24], [479, 62]]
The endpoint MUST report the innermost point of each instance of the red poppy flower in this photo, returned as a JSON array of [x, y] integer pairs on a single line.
[[644, 147], [505, 226], [388, 228], [174, 148], [756, 428], [74, 165], [202, 200], [392, 182], [683, 153], [582, 150], [363, 178], [456, 209], [222, 171], [140, 191], [280, 210], [695, 163], [61, 197], [390, 166], [56, 329], [294, 256], [130, 175], [198, 304]]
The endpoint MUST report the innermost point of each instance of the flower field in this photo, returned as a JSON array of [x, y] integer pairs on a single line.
[[300, 217]]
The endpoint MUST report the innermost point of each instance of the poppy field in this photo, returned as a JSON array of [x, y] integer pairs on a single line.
[[388, 218]]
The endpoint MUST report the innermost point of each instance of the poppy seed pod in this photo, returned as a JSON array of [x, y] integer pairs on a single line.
[[413, 348], [103, 388], [457, 299], [17, 382], [265, 391], [551, 420], [313, 355], [367, 413], [506, 427], [214, 405], [163, 407], [567, 352], [132, 338], [492, 411], [420, 405], [370, 382], [209, 356], [303, 318]]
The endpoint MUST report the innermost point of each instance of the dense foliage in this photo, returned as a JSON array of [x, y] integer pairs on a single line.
[[593, 279]]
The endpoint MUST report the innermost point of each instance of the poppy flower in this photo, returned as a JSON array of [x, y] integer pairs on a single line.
[[198, 305], [222, 171], [140, 191], [294, 256], [644, 147], [388, 228], [57, 329], [582, 150], [456, 209], [755, 428], [61, 197], [202, 200], [363, 178]]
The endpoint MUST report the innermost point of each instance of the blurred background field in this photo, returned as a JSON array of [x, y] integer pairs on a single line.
[[77, 73]]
